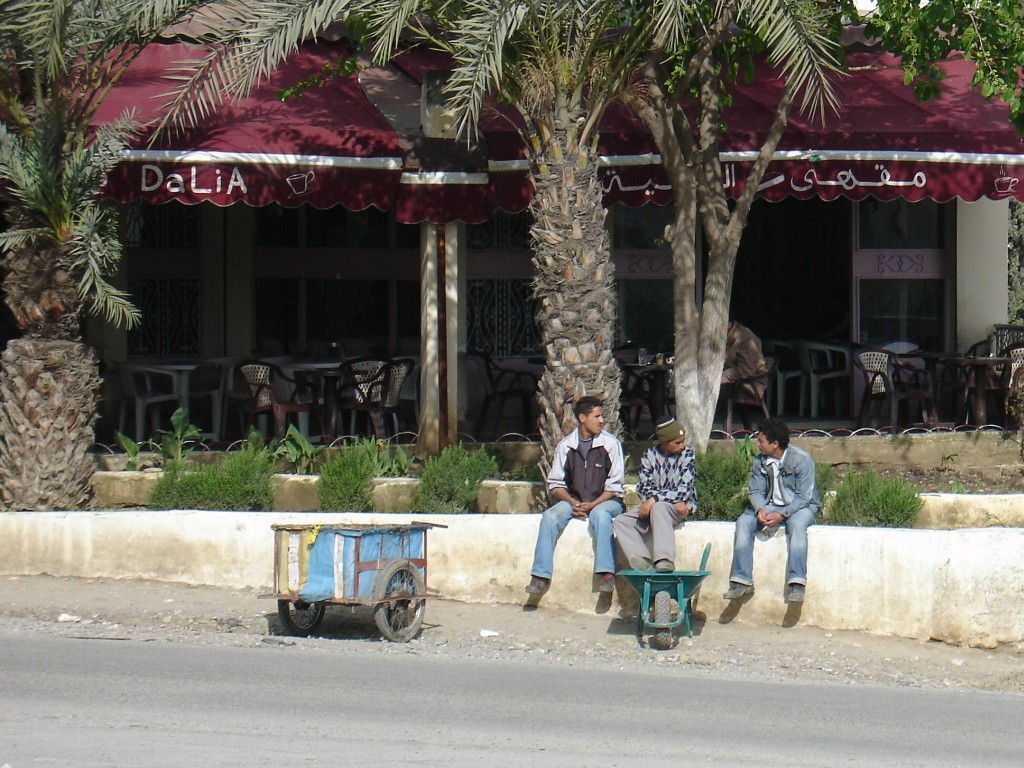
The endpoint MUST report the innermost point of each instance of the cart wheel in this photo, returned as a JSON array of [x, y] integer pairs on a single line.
[[662, 615], [400, 618], [301, 618]]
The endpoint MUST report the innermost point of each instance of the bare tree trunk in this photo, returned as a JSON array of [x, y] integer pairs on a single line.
[[690, 155], [575, 292], [47, 411]]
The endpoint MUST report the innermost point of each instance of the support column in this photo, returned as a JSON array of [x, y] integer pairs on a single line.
[[981, 274], [440, 313], [237, 286]]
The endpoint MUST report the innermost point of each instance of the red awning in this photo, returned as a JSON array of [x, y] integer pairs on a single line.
[[334, 147], [329, 147], [884, 144]]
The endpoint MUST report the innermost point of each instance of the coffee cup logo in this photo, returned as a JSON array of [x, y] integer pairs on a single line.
[[300, 183], [1005, 185]]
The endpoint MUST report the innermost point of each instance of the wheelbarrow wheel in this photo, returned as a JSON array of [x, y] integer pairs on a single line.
[[662, 615], [299, 617], [398, 613]]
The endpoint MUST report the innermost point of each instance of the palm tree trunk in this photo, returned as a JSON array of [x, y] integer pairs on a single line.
[[575, 293], [48, 392]]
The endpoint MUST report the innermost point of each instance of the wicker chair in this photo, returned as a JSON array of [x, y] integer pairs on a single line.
[[887, 380], [265, 383]]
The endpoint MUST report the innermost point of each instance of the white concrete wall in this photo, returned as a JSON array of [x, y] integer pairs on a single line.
[[957, 586], [981, 283]]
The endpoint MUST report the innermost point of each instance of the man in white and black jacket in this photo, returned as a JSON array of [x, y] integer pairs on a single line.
[[585, 482]]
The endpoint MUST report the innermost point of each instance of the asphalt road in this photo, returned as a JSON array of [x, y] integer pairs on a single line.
[[87, 702]]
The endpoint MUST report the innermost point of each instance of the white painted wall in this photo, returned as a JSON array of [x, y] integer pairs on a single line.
[[957, 586], [981, 284]]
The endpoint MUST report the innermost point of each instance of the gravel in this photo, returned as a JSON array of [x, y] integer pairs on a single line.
[[176, 613]]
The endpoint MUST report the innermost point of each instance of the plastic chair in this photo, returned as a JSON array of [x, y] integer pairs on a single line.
[[363, 382], [206, 382], [788, 367], [1005, 385], [888, 380], [391, 397], [144, 388], [502, 384], [266, 383], [826, 363], [1013, 402], [748, 394]]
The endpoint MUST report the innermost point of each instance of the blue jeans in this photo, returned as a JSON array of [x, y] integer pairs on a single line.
[[599, 524], [796, 542]]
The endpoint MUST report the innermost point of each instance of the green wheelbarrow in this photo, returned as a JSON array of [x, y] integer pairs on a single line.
[[657, 590]]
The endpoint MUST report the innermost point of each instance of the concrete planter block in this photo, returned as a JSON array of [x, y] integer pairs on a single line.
[[394, 494], [505, 497], [958, 510], [119, 490], [295, 493]]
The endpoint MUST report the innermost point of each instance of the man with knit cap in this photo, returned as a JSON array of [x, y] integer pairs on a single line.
[[668, 495]]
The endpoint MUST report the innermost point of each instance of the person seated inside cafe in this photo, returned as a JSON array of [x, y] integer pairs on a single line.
[[743, 356]]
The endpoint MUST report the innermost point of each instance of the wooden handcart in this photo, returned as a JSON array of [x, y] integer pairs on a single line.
[[383, 566]]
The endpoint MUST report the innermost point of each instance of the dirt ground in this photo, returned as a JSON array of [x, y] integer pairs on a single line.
[[162, 612], [996, 479]]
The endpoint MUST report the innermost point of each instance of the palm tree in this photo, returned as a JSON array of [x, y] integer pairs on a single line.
[[61, 243], [554, 63], [696, 50], [559, 66]]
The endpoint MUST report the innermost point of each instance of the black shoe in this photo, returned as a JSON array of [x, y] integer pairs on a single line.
[[664, 566], [795, 593], [537, 585], [737, 590]]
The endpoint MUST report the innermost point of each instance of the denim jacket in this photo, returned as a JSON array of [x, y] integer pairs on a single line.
[[796, 474]]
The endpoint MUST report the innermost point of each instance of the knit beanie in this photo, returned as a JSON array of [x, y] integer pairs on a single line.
[[668, 431]]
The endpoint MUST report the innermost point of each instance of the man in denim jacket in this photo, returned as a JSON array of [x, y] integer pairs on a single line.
[[783, 491], [586, 483]]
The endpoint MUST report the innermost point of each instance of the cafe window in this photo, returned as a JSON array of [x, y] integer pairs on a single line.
[[642, 227], [336, 227], [500, 316], [320, 317], [502, 231], [645, 315], [900, 266], [162, 267], [171, 315]]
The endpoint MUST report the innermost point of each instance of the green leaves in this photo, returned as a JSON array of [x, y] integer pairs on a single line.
[[989, 33]]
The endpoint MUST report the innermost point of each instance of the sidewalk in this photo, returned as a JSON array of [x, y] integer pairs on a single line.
[[165, 612]]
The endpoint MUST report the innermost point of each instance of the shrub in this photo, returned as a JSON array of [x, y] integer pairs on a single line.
[[386, 462], [865, 499], [296, 450], [722, 481], [450, 482], [346, 480], [825, 477], [240, 482]]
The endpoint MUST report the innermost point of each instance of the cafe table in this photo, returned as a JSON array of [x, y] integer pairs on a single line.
[[658, 376], [180, 371], [325, 376], [978, 369]]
